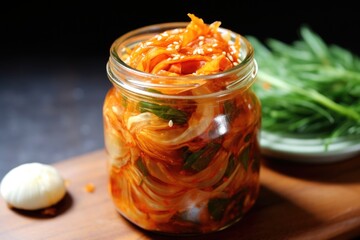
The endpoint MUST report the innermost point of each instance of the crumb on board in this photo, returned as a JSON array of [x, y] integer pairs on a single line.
[[67, 182], [51, 211], [89, 187]]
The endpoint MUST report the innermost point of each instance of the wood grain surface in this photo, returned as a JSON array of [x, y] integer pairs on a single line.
[[296, 201]]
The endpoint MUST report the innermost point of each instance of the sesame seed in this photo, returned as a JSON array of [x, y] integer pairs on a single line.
[[175, 56], [159, 37], [201, 43], [209, 49], [201, 37], [215, 45], [115, 110], [201, 51], [171, 123]]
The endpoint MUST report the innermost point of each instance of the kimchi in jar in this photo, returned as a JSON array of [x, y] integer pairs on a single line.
[[181, 127]]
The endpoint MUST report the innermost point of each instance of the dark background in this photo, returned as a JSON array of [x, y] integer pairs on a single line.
[[53, 56], [85, 29]]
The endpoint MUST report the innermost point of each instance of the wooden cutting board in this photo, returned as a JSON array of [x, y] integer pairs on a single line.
[[296, 201]]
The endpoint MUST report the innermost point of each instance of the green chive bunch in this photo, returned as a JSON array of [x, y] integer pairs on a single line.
[[308, 88]]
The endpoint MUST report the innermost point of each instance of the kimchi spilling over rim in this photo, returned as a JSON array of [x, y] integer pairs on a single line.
[[133, 80]]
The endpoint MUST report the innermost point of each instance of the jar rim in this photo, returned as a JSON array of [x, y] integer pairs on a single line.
[[247, 68]]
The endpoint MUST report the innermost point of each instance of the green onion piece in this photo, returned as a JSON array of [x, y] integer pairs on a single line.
[[200, 160], [217, 207], [165, 112]]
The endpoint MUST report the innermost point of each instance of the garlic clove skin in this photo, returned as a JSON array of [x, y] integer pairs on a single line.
[[32, 186]]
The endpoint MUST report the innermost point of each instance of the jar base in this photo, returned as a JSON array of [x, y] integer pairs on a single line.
[[181, 233]]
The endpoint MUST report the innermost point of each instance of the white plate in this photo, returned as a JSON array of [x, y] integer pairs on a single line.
[[308, 150]]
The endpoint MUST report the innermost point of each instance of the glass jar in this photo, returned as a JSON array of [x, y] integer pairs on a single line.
[[183, 152]]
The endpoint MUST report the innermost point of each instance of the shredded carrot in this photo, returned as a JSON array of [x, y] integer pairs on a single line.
[[197, 49]]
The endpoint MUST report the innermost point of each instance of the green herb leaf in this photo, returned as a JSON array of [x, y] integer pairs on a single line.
[[308, 88], [244, 157], [141, 166], [200, 160], [217, 207], [230, 167], [164, 112], [255, 166], [230, 110]]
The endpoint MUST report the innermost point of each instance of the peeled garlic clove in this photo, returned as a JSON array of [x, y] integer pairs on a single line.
[[32, 186]]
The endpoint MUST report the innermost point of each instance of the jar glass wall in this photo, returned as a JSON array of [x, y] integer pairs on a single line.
[[183, 151]]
